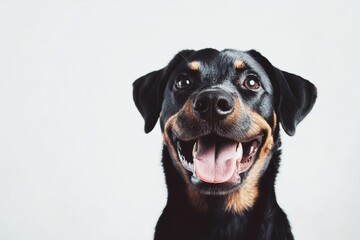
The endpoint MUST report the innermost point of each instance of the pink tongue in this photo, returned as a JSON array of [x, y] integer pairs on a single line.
[[215, 162]]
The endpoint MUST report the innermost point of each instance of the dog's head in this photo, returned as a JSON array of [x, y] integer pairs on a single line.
[[219, 112]]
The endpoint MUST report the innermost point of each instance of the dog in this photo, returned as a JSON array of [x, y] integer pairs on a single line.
[[220, 114]]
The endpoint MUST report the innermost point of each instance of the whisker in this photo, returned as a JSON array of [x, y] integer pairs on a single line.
[[184, 58]]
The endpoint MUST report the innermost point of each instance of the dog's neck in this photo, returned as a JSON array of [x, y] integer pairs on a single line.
[[181, 220]]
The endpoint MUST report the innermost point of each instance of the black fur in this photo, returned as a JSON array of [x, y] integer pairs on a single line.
[[295, 96], [290, 96]]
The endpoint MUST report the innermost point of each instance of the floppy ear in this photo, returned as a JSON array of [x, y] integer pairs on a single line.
[[148, 91], [294, 95], [147, 97]]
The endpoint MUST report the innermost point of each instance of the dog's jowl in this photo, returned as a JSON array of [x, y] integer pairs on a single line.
[[220, 114]]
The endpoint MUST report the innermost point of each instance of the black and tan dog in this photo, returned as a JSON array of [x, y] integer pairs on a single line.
[[219, 113]]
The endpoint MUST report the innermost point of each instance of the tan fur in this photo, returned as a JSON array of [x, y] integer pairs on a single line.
[[187, 109], [195, 198], [195, 65], [236, 114], [239, 64], [170, 126], [245, 197], [275, 121]]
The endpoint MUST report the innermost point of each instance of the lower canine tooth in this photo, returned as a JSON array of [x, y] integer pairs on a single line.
[[237, 146], [251, 149], [194, 149]]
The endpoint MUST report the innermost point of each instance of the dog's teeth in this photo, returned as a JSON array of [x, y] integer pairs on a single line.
[[191, 167], [188, 166], [179, 154], [237, 146], [251, 149], [194, 149]]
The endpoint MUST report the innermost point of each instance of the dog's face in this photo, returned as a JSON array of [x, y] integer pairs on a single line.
[[219, 112], [216, 115]]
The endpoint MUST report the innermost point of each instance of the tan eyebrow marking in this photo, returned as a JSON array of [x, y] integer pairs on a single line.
[[239, 64], [195, 65]]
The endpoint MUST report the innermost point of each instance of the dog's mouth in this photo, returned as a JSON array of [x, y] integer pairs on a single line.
[[214, 160]]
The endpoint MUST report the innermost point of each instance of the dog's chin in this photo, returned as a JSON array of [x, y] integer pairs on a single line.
[[217, 165]]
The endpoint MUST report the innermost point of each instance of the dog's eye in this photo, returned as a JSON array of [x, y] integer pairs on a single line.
[[252, 83], [182, 83]]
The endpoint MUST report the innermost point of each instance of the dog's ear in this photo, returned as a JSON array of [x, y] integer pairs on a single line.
[[294, 95], [148, 90]]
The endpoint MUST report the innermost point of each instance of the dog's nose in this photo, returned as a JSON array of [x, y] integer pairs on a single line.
[[213, 104]]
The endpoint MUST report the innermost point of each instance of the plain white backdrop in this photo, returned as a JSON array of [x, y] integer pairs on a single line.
[[74, 160]]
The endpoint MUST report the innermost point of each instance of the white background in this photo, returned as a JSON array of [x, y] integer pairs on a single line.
[[74, 160]]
